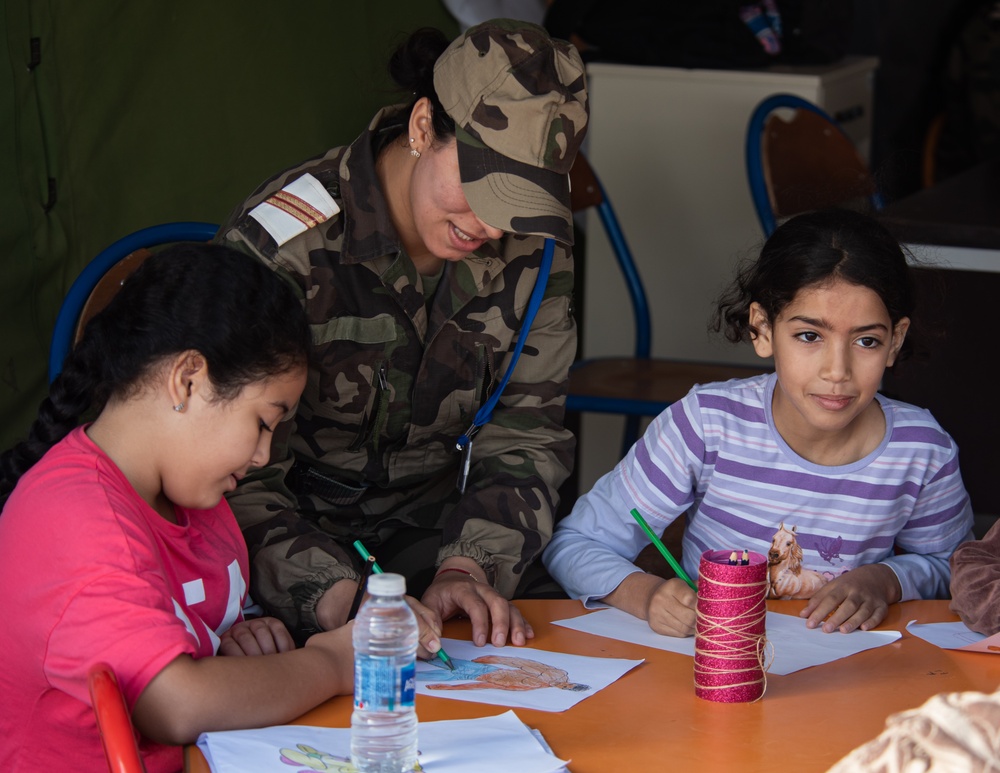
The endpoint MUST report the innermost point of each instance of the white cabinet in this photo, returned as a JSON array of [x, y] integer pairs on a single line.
[[668, 145]]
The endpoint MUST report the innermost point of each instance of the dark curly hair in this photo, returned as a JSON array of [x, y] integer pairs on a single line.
[[808, 250], [247, 323]]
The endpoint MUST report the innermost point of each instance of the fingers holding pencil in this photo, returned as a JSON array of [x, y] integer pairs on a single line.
[[428, 620], [430, 633], [673, 609]]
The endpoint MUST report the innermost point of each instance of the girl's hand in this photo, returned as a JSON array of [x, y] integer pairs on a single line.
[[430, 628], [260, 636], [669, 606], [858, 599], [671, 609]]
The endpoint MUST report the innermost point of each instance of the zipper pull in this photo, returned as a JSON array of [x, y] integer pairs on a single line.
[[464, 444], [463, 470]]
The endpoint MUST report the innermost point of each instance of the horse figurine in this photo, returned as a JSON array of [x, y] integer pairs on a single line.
[[786, 577]]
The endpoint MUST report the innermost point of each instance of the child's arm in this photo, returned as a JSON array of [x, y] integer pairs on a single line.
[[190, 696], [939, 521], [667, 605], [593, 548], [858, 599], [862, 595]]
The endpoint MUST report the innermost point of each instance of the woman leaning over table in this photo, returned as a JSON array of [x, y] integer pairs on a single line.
[[415, 250]]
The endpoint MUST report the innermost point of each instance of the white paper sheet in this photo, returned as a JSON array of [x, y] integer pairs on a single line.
[[519, 677], [489, 745], [955, 636], [794, 646]]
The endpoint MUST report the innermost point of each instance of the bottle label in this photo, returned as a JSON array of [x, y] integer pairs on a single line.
[[384, 684]]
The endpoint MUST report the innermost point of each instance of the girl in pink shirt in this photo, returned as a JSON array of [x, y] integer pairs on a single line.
[[116, 542]]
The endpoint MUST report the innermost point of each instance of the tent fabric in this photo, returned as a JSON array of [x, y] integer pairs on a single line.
[[117, 115]]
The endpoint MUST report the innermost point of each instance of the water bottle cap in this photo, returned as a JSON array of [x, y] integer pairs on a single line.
[[388, 584]]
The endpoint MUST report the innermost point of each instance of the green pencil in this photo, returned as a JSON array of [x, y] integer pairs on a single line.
[[678, 569], [441, 654], [366, 555]]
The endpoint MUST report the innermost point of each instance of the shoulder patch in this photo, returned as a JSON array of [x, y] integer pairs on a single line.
[[299, 206]]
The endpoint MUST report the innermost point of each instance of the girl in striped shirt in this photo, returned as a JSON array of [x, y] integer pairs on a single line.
[[856, 499]]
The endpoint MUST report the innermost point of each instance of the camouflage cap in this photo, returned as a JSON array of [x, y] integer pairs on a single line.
[[519, 102]]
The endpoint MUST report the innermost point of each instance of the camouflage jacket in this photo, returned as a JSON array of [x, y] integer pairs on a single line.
[[395, 381]]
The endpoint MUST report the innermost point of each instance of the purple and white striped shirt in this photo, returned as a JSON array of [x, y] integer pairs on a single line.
[[717, 456]]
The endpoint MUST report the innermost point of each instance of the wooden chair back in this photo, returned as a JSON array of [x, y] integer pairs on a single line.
[[584, 191], [799, 159], [107, 287], [811, 164]]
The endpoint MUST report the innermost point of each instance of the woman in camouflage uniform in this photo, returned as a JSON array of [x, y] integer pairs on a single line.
[[415, 250]]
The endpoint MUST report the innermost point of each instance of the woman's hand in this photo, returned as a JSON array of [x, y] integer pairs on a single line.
[[493, 617], [260, 636], [858, 599]]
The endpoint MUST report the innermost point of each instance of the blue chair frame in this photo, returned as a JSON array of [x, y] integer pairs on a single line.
[[83, 286], [754, 156], [673, 378], [632, 409]]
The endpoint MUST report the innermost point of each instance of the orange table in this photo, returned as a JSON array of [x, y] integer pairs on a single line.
[[650, 719]]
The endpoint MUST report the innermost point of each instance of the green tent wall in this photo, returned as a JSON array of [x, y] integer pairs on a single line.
[[120, 114]]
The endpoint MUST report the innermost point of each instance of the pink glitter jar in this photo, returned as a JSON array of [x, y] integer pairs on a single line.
[[729, 638]]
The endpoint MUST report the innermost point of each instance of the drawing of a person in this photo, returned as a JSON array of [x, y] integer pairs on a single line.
[[502, 673]]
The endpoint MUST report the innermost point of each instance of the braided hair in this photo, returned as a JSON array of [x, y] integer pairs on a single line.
[[246, 322]]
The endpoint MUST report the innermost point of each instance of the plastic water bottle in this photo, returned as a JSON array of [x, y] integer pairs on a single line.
[[384, 722]]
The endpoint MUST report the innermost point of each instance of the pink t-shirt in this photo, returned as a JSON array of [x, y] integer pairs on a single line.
[[89, 572]]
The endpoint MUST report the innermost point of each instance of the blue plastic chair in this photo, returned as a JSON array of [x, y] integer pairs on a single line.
[[802, 163], [636, 385], [64, 334]]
